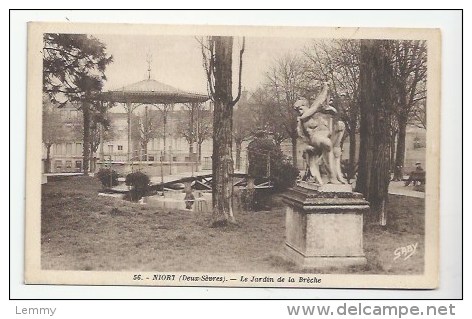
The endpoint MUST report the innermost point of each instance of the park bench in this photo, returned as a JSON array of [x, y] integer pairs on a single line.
[[416, 177]]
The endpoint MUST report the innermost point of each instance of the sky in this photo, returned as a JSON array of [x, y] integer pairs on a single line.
[[177, 60]]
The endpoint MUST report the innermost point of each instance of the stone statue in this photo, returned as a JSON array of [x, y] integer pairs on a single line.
[[322, 137]]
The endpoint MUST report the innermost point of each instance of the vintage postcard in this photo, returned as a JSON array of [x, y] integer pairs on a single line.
[[240, 156]]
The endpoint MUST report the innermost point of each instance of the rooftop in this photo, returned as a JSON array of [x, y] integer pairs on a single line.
[[150, 91]]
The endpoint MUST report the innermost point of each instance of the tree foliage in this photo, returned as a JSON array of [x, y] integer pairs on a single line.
[[53, 125], [164, 111], [409, 63], [139, 183], [195, 125], [107, 177], [53, 129], [73, 71], [265, 116], [285, 83], [243, 122], [243, 126], [266, 160], [73, 66], [205, 126], [100, 123], [147, 125]]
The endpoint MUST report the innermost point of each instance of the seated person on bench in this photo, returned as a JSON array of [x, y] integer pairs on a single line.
[[416, 176]]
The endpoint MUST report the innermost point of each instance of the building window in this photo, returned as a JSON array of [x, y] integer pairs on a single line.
[[78, 148], [110, 149], [151, 158], [58, 149], [73, 114], [78, 166], [174, 158], [58, 165], [68, 164], [120, 147], [69, 149]]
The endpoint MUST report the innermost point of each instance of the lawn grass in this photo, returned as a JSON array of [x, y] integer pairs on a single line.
[[83, 231]]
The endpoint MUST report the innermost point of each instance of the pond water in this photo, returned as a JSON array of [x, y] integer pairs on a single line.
[[176, 200]]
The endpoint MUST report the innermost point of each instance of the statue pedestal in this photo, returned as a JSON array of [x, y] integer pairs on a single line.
[[324, 226]]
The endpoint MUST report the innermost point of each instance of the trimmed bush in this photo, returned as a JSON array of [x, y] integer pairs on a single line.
[[348, 172], [284, 175], [139, 183], [107, 177]]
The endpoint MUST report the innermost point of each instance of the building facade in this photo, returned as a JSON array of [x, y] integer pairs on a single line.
[[62, 136], [66, 149]]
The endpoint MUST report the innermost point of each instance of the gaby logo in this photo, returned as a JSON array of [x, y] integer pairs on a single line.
[[405, 251]]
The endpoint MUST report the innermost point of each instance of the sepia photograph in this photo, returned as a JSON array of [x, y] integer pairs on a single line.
[[237, 156]]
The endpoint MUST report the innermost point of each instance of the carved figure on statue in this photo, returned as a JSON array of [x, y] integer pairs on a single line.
[[322, 137]]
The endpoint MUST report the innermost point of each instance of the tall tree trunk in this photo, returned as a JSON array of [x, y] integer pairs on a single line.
[[164, 135], [222, 164], [401, 144], [92, 165], [375, 107], [91, 155], [47, 169], [192, 137], [101, 143], [146, 134], [145, 149], [238, 154], [294, 139], [393, 137], [86, 144], [130, 147], [200, 152], [352, 154]]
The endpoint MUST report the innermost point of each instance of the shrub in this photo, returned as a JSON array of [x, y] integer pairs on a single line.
[[349, 171], [107, 177], [139, 183], [284, 175], [267, 160]]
